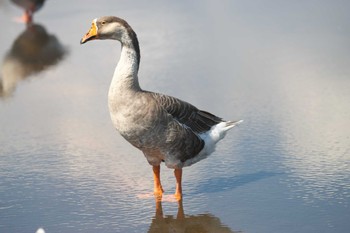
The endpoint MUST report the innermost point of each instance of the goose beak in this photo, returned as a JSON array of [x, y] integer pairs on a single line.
[[91, 34]]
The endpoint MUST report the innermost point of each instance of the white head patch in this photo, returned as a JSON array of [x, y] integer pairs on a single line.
[[95, 20]]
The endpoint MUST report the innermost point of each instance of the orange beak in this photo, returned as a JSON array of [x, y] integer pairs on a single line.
[[91, 34]]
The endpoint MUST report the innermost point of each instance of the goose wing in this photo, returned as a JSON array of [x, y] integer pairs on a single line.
[[188, 115]]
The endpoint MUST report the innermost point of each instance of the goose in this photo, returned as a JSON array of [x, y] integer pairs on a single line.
[[29, 6], [166, 129]]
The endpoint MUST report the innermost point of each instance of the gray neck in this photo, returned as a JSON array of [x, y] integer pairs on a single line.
[[125, 75], [125, 82], [127, 68]]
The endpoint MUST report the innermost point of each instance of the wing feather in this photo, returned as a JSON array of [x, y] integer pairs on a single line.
[[197, 120]]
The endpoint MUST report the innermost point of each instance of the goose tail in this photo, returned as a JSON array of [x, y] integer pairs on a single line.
[[216, 133], [231, 124], [211, 137]]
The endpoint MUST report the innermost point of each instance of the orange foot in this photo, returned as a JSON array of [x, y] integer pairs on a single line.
[[157, 193], [161, 197], [145, 195], [171, 198], [178, 196], [25, 18]]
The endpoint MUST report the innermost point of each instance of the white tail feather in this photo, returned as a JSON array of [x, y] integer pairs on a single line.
[[231, 124], [211, 137], [216, 133]]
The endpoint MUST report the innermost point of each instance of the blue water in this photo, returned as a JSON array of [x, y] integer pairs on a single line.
[[283, 67]]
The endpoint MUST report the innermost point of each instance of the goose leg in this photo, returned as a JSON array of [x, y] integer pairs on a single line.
[[27, 16], [178, 176], [158, 190]]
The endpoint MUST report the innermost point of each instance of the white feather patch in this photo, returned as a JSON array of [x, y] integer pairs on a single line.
[[95, 20], [215, 134], [211, 137]]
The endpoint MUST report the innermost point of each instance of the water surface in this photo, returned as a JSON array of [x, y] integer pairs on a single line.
[[283, 67]]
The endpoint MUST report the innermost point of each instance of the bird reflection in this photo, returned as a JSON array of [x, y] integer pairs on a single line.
[[32, 52], [185, 223], [29, 7]]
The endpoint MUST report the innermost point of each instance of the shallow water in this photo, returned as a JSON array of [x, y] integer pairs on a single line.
[[282, 67]]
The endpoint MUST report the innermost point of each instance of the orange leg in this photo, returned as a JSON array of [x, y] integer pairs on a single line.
[[178, 176], [158, 190], [27, 17]]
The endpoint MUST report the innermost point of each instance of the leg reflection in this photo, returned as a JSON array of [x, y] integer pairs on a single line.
[[185, 223]]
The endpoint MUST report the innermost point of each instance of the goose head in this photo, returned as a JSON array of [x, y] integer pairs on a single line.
[[109, 27]]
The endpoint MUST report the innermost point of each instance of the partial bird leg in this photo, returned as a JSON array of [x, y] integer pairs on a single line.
[[159, 209], [180, 210], [26, 18], [178, 176], [158, 190]]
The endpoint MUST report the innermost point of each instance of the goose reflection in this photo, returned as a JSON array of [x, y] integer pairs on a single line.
[[182, 223], [34, 51]]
